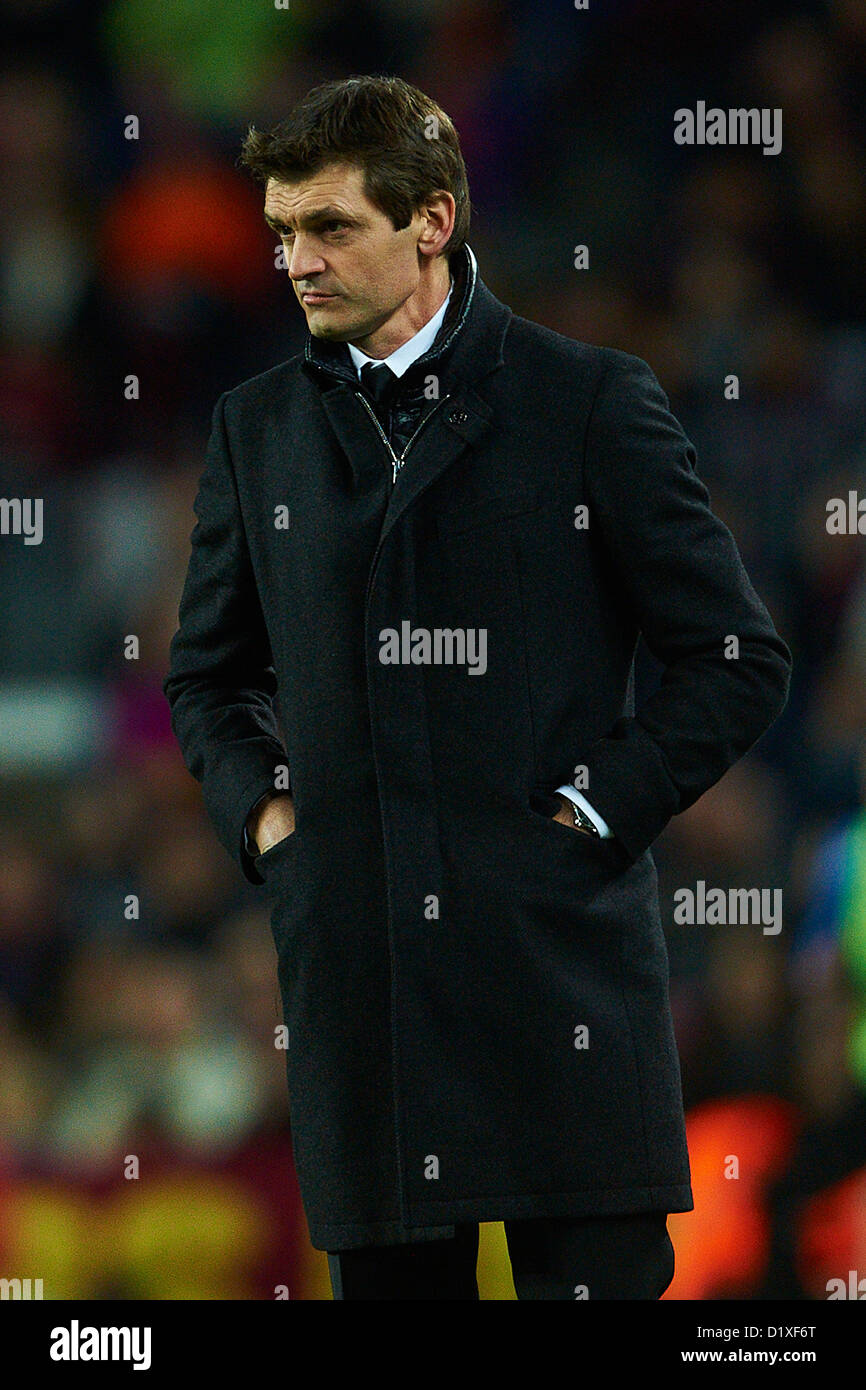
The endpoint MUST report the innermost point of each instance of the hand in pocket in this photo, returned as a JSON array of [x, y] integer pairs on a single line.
[[565, 816], [272, 820]]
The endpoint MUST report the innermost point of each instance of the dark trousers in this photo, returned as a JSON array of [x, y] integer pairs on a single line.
[[576, 1258]]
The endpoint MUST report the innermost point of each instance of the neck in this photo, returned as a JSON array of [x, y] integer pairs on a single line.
[[410, 316]]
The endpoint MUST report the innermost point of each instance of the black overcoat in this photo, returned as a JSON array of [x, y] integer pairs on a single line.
[[476, 995]]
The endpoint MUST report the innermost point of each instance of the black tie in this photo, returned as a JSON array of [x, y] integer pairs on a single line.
[[380, 383]]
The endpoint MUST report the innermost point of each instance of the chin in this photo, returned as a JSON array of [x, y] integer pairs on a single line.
[[324, 330], [338, 332]]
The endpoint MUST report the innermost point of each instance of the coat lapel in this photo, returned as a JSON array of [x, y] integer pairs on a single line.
[[356, 433], [457, 422]]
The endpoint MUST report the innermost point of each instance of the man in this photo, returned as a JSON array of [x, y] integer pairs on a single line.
[[442, 575]]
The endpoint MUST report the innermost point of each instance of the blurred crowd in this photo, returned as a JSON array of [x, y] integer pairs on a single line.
[[138, 995]]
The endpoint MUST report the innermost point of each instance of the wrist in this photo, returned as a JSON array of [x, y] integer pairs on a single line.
[[575, 816]]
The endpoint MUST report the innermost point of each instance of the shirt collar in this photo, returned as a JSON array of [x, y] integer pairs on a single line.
[[403, 357]]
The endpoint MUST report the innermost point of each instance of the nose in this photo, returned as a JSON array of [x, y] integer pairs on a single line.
[[303, 261]]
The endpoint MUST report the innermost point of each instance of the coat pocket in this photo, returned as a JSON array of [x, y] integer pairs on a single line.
[[604, 850], [278, 856], [487, 510]]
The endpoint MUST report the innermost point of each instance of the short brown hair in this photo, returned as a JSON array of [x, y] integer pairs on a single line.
[[382, 125]]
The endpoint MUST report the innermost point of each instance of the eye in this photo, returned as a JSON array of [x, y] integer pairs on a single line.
[[331, 226]]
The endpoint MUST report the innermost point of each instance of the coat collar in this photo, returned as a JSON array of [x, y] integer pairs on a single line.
[[470, 338], [472, 345]]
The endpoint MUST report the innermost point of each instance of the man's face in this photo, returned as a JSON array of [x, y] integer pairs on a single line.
[[339, 245]]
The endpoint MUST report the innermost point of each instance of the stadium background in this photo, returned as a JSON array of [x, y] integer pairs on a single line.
[[153, 1036]]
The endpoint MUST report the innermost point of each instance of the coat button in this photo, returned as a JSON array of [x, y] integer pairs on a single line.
[[458, 417]]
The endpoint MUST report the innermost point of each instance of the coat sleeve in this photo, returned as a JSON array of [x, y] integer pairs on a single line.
[[685, 581], [221, 680]]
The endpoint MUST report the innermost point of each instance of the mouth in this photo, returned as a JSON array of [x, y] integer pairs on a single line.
[[314, 297]]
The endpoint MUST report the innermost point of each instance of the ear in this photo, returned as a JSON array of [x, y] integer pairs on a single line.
[[438, 212]]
